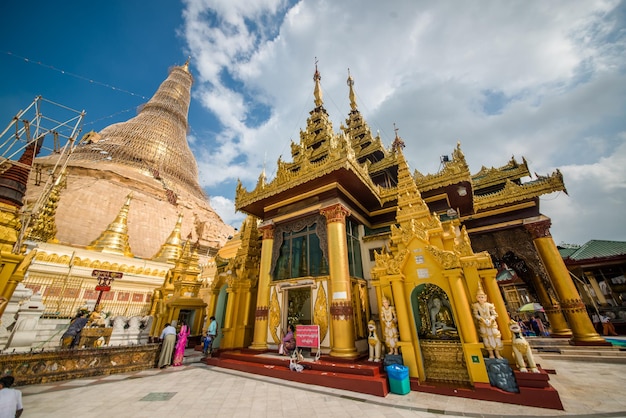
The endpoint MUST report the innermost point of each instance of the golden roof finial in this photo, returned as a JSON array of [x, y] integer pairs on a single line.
[[186, 64], [398, 143], [318, 90], [352, 96], [114, 240]]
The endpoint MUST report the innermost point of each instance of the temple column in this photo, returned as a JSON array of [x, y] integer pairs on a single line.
[[403, 313], [259, 341], [12, 273], [465, 324], [571, 304], [558, 323], [341, 311]]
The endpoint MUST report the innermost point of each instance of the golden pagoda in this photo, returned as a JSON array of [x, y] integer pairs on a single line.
[[120, 204], [345, 226]]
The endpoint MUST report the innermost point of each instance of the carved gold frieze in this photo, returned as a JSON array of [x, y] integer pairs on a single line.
[[64, 260], [539, 229], [388, 265], [444, 361], [513, 192]]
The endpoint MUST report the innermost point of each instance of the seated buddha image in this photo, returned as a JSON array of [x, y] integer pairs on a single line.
[[441, 322]]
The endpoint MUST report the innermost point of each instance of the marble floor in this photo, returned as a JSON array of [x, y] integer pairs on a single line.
[[196, 390]]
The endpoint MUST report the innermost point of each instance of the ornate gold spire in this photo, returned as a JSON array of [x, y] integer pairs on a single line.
[[317, 92], [351, 95], [44, 227], [114, 240], [154, 141], [173, 246], [398, 143]]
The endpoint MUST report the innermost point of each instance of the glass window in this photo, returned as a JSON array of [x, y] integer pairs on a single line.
[[300, 255], [354, 249]]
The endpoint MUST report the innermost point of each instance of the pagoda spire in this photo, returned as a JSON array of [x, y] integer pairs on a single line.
[[114, 240], [154, 141], [398, 143], [173, 246], [351, 95], [317, 92]]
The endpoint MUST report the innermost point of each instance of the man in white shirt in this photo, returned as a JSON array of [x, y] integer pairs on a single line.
[[168, 337], [10, 399]]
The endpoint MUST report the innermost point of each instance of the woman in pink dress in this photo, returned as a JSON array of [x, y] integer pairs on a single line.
[[181, 344]]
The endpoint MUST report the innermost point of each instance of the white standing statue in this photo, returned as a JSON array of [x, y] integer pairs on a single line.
[[375, 346], [389, 321], [485, 315]]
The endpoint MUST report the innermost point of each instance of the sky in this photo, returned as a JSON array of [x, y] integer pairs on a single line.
[[540, 80]]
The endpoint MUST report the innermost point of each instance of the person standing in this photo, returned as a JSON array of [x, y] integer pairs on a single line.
[[181, 344], [168, 338], [211, 333], [10, 399]]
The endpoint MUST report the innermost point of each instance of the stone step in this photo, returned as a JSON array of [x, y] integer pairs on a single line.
[[586, 358]]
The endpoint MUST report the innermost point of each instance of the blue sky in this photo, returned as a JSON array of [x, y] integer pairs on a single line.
[[534, 79]]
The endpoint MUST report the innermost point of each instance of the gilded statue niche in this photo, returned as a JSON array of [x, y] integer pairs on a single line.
[[434, 319]]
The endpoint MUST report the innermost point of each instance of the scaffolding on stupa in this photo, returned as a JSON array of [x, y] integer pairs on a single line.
[[154, 141], [53, 129]]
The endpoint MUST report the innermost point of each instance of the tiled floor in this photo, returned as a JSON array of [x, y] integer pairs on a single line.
[[196, 390]]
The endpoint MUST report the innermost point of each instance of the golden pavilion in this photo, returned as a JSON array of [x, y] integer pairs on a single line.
[[345, 224]]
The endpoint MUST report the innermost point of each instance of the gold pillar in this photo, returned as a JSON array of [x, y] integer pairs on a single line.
[[558, 323], [259, 341], [571, 304], [12, 271], [341, 310], [403, 312], [472, 347]]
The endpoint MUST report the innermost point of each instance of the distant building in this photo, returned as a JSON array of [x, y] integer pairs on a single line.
[[600, 271]]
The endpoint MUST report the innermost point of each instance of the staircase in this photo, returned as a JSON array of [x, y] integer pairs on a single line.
[[561, 349], [356, 376]]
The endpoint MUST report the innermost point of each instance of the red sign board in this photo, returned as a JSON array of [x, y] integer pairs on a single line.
[[103, 288], [107, 274], [308, 336]]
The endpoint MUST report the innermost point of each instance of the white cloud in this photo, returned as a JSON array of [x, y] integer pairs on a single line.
[[225, 207], [553, 72]]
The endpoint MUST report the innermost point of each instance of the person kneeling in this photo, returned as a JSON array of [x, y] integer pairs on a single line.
[[289, 341]]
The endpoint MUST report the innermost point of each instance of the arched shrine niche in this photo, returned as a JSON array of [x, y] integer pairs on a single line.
[[433, 313], [439, 340]]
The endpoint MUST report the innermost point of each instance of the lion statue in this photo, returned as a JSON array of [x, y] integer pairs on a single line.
[[521, 350], [374, 343]]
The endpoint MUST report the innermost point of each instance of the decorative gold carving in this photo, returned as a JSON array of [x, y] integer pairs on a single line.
[[454, 172], [341, 310], [513, 192], [388, 264], [267, 231], [444, 361], [320, 312], [447, 259], [335, 213], [274, 319], [539, 229], [488, 177]]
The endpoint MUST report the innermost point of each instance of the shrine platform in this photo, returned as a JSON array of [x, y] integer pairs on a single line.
[[370, 378]]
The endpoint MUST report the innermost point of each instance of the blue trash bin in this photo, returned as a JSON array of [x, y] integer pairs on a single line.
[[398, 376]]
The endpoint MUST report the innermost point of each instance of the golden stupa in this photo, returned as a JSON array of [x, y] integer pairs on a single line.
[[149, 157]]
